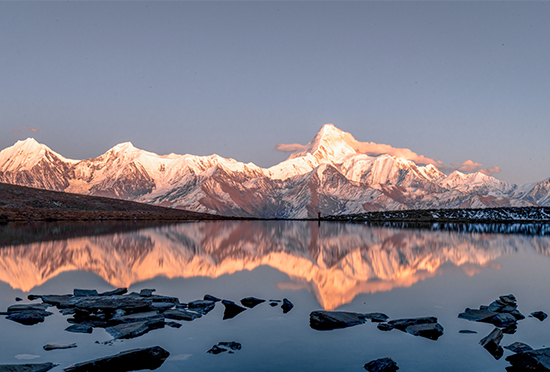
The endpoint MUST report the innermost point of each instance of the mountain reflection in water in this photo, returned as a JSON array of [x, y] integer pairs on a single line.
[[334, 261]]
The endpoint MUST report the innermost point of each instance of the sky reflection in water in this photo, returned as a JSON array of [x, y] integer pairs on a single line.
[[404, 273]]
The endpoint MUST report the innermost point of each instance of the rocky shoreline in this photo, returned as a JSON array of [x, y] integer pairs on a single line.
[[129, 315]]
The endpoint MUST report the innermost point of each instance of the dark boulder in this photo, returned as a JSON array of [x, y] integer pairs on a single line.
[[251, 302], [42, 367], [431, 331], [540, 315], [286, 306], [208, 297], [79, 328], [231, 309], [328, 320], [28, 317], [534, 360], [147, 292], [381, 365], [491, 343], [131, 360], [518, 347], [201, 306], [384, 327], [503, 320], [476, 315]]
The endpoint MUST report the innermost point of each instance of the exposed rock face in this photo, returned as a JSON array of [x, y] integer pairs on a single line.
[[130, 360], [329, 320]]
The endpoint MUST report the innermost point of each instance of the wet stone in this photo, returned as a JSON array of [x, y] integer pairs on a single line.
[[503, 320], [222, 347], [173, 324], [231, 309], [201, 306], [146, 292], [534, 360], [475, 315], [377, 317], [518, 347], [27, 307], [322, 320], [381, 365], [53, 346], [28, 317], [85, 292], [540, 315], [467, 331], [18, 299], [181, 314], [208, 297], [130, 360], [431, 331], [384, 327], [134, 329], [286, 306], [251, 302], [115, 292], [402, 324], [41, 367], [491, 343], [79, 328]]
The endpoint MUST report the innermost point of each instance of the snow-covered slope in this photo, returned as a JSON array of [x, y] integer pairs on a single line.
[[328, 176]]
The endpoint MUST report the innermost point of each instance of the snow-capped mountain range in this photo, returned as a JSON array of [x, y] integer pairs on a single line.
[[328, 175]]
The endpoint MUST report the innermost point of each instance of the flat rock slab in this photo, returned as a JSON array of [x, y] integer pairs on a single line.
[[53, 346], [79, 328], [42, 367], [535, 360], [181, 314], [28, 317], [130, 360], [115, 292], [381, 365], [328, 320], [25, 307], [431, 331], [402, 324], [503, 320], [201, 306], [251, 302], [211, 298], [491, 343], [467, 331], [377, 317], [135, 329], [111, 303], [477, 315], [61, 301], [231, 309], [85, 293], [151, 316], [518, 347]]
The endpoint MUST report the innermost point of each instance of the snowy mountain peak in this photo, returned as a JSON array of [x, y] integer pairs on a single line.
[[329, 145], [25, 154]]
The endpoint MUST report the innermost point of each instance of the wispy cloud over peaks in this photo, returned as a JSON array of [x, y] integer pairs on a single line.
[[291, 147], [25, 129]]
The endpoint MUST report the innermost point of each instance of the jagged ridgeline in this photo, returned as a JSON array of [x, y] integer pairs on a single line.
[[327, 176]]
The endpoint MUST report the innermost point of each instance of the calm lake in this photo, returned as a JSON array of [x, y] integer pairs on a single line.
[[333, 266]]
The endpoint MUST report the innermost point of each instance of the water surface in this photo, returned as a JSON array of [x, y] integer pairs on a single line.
[[332, 266]]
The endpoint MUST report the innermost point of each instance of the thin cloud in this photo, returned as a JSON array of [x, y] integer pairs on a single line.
[[467, 166], [491, 170], [32, 129], [25, 129], [291, 147]]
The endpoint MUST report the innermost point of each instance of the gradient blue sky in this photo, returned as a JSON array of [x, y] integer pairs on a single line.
[[453, 81]]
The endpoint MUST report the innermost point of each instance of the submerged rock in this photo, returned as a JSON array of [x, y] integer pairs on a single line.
[[287, 305], [53, 346], [225, 346], [251, 302], [491, 343], [322, 320], [79, 328], [231, 309], [130, 360], [42, 367], [381, 365], [540, 315]]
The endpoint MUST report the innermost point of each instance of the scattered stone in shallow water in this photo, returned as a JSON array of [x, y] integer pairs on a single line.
[[540, 315], [53, 346], [467, 331], [322, 320], [382, 365], [377, 317], [518, 347], [384, 327], [18, 299], [517, 315], [273, 304], [85, 293], [533, 360], [42, 367], [231, 309], [286, 306], [492, 343], [27, 307], [130, 360], [431, 331], [79, 328], [225, 346], [208, 297], [111, 303], [475, 315], [134, 329], [201, 306], [503, 320], [173, 324], [181, 314], [28, 317], [150, 316], [251, 302], [146, 292], [402, 324]]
